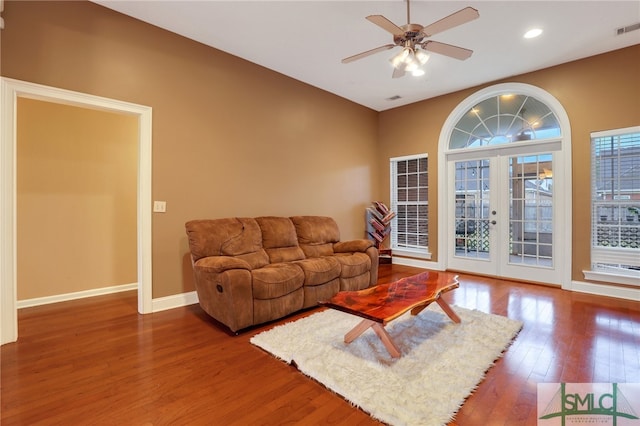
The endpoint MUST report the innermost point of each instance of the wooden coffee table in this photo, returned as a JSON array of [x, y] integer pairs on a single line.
[[383, 303]]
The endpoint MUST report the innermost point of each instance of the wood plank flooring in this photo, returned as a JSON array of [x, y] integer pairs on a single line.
[[97, 362]]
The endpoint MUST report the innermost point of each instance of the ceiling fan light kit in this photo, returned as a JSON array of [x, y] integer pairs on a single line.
[[410, 59], [412, 39], [400, 58], [422, 57]]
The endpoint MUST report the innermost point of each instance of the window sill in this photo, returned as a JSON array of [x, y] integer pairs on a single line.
[[418, 254], [608, 277]]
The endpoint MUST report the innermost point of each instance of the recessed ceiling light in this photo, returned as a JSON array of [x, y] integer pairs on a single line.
[[535, 32]]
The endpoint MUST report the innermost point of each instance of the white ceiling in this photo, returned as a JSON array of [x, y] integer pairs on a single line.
[[306, 40]]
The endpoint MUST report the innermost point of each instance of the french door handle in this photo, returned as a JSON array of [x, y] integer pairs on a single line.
[[493, 222]]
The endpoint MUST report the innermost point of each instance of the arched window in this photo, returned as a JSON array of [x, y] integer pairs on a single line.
[[504, 119]]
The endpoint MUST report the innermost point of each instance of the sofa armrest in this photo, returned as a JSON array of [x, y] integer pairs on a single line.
[[218, 264], [352, 246], [226, 296]]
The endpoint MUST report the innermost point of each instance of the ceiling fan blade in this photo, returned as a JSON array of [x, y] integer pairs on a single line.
[[458, 18], [367, 53], [386, 24], [398, 72], [447, 50]]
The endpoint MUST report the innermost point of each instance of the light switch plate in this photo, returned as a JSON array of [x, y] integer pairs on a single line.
[[159, 206]]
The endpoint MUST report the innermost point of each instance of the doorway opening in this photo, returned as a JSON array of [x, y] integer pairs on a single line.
[[11, 90]]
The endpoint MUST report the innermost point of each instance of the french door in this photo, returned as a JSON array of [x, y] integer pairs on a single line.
[[502, 218]]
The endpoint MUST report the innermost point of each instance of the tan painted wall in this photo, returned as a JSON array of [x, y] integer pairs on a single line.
[[233, 139], [76, 199], [229, 138], [598, 93]]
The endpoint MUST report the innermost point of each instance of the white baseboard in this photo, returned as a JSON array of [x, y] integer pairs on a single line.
[[174, 301], [159, 304], [27, 303], [417, 263], [190, 298], [620, 292]]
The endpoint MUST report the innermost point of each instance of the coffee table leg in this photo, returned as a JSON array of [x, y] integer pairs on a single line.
[[447, 310], [418, 309], [383, 335], [358, 330], [386, 340]]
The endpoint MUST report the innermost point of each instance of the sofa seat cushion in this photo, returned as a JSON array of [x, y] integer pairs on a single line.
[[317, 250], [353, 264], [276, 280], [319, 270]]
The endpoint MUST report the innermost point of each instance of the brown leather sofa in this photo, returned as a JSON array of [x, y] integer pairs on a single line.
[[250, 271]]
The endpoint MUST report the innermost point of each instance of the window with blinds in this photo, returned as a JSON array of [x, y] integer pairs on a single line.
[[410, 202], [615, 184]]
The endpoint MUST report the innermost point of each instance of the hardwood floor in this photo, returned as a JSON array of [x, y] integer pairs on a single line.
[[97, 362]]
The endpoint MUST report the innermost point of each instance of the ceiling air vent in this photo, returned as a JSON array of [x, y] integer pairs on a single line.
[[628, 28], [394, 98]]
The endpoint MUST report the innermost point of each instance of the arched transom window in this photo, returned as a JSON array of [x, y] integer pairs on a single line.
[[504, 119]]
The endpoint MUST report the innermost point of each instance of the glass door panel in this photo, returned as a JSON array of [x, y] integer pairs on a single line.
[[531, 210], [472, 209]]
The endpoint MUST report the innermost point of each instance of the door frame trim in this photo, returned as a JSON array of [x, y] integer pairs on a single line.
[[10, 91], [565, 197]]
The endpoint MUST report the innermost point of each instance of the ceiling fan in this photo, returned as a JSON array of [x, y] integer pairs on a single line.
[[413, 40]]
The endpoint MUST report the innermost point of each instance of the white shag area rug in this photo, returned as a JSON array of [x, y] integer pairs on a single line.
[[440, 366]]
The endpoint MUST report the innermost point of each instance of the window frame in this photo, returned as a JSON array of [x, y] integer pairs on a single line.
[[410, 250], [601, 255]]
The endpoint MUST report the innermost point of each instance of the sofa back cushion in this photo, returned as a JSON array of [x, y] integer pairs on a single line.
[[279, 239], [239, 237], [316, 234]]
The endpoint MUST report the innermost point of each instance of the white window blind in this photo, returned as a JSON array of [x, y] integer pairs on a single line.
[[410, 202], [615, 184]]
